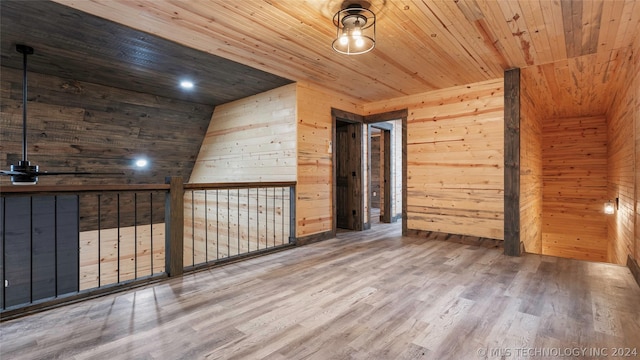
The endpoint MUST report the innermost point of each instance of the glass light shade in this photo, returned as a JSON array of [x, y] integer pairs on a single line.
[[30, 173], [609, 208], [355, 30]]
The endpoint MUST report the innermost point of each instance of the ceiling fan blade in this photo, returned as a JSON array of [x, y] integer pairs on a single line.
[[76, 173], [11, 173]]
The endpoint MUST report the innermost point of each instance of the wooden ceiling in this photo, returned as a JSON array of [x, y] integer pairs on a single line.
[[422, 45], [75, 45]]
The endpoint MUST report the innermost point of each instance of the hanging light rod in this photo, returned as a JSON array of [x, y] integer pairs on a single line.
[[355, 29]]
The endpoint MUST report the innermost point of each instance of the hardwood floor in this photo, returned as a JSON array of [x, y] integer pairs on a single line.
[[366, 295]]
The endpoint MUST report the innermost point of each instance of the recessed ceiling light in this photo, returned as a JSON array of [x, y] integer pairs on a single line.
[[141, 163], [186, 84]]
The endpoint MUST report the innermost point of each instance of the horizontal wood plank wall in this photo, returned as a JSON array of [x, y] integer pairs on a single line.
[[78, 126], [530, 161], [455, 164], [574, 172], [622, 158], [314, 203], [253, 139], [635, 68]]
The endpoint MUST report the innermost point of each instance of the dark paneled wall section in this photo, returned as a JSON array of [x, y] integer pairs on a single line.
[[79, 126]]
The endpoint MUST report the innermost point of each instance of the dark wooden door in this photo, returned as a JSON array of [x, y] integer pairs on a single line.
[[349, 176]]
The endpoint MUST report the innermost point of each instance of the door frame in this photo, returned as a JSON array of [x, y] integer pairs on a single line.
[[386, 131], [400, 114]]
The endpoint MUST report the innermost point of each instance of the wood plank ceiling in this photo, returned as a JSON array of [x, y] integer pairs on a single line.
[[422, 45], [75, 45]]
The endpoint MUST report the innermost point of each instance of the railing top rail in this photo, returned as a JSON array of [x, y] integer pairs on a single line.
[[39, 189], [238, 185]]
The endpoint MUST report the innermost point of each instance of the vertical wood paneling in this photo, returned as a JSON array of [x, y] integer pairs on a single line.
[[314, 203], [455, 158], [580, 86], [530, 164], [462, 41], [17, 250], [574, 173]]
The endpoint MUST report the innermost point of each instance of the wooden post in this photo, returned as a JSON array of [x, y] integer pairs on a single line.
[[512, 162], [174, 227], [292, 215]]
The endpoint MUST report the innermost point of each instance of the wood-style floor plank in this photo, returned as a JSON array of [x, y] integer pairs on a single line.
[[367, 295]]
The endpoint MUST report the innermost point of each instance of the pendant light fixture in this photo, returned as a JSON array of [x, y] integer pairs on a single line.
[[355, 29]]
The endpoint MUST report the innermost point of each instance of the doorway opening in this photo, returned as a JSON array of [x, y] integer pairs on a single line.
[[385, 171], [381, 177], [352, 169]]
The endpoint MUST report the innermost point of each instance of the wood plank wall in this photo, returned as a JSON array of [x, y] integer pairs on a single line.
[[574, 190], [314, 202], [78, 126], [530, 161], [252, 139], [280, 135], [635, 83], [248, 140], [623, 150], [455, 158]]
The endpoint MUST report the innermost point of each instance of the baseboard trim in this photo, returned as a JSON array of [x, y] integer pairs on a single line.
[[310, 239], [635, 269], [456, 238]]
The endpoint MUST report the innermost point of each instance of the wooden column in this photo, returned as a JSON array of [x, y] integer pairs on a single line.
[[292, 215], [512, 162], [174, 227]]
